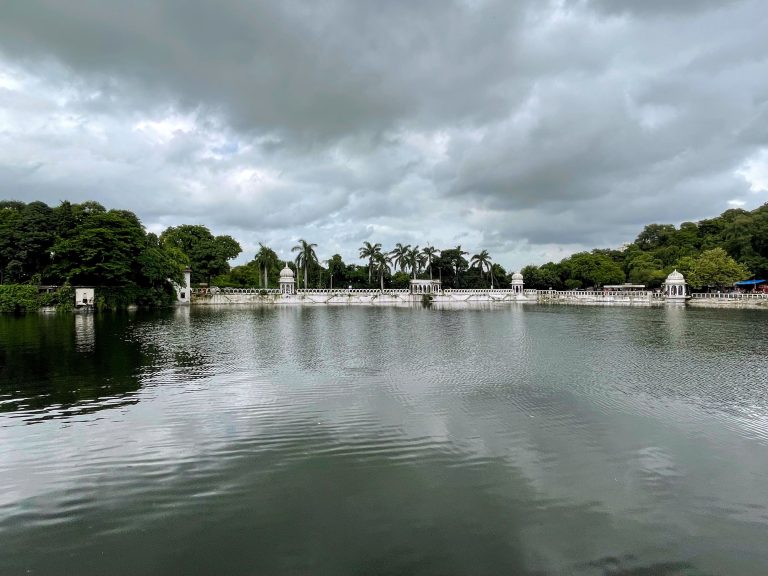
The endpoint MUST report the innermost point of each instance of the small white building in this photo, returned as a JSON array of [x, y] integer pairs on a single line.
[[287, 281], [675, 288], [517, 283], [425, 287], [84, 296]]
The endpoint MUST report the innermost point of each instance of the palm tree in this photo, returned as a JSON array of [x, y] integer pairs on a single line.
[[263, 259], [481, 261], [412, 257], [457, 262], [382, 266], [399, 256], [369, 251], [306, 256], [430, 252]]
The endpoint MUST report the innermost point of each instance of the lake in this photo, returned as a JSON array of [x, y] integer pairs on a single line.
[[510, 440]]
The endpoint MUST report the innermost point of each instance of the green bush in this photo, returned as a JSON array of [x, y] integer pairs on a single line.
[[17, 298]]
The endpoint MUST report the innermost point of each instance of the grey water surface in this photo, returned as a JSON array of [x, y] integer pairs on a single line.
[[508, 440]]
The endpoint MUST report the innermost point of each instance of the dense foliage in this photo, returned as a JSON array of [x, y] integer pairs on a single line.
[[712, 253], [88, 245], [25, 297]]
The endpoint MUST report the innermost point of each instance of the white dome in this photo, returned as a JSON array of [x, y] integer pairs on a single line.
[[517, 276], [286, 272], [675, 278]]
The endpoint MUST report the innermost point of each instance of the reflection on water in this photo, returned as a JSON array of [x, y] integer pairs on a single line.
[[498, 440], [85, 335], [53, 366]]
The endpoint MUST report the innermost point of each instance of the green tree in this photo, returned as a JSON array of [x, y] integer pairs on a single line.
[[430, 252], [399, 256], [209, 255], [369, 251], [102, 251], [10, 225], [715, 269], [645, 269], [336, 269], [382, 263], [306, 256], [36, 235], [161, 263], [265, 260], [454, 257], [589, 269], [497, 272], [414, 260], [655, 235], [481, 261]]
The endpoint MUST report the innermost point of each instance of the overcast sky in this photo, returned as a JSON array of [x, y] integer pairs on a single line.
[[533, 129]]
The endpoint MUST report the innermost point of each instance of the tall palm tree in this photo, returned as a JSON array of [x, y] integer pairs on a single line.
[[430, 252], [399, 256], [382, 261], [412, 257], [306, 256], [456, 263], [369, 251], [481, 261], [263, 259]]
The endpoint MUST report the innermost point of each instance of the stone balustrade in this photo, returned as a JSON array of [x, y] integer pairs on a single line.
[[729, 296]]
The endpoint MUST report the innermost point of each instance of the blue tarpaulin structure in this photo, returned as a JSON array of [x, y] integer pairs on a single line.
[[749, 282]]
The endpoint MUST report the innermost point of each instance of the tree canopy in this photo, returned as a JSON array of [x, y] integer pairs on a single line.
[[739, 236], [86, 244], [208, 255]]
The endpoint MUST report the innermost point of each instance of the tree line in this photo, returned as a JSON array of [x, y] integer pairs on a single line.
[[380, 268], [712, 253], [86, 244]]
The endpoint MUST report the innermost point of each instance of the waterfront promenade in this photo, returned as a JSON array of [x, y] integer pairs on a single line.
[[394, 297]]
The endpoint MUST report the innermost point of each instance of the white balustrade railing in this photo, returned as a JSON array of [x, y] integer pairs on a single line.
[[598, 294], [730, 296], [216, 290], [479, 291]]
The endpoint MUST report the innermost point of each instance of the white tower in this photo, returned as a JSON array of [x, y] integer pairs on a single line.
[[287, 281], [184, 292], [675, 288]]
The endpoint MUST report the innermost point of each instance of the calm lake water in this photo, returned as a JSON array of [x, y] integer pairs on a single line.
[[515, 441]]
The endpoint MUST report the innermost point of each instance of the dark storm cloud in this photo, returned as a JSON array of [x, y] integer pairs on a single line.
[[313, 70], [529, 127]]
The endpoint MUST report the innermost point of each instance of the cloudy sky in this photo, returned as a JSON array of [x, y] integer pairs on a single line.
[[531, 128]]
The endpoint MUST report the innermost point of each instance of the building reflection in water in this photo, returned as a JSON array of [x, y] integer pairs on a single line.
[[85, 333]]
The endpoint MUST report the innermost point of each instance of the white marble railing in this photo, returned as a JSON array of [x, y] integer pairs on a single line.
[[598, 293], [357, 291], [215, 290], [478, 291], [729, 296]]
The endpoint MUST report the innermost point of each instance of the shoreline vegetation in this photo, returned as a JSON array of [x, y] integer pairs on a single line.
[[45, 251]]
